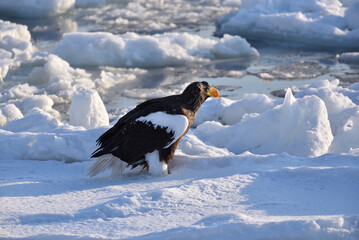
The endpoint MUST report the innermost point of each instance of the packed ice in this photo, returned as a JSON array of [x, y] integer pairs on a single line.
[[251, 167]]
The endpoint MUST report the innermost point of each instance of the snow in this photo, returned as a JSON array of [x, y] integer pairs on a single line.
[[233, 197], [177, 124], [87, 109], [160, 50], [35, 9], [312, 23]]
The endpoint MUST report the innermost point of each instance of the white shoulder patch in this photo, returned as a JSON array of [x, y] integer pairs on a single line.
[[175, 123]]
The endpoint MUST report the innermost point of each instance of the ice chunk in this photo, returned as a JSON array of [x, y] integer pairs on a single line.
[[8, 113], [312, 23], [349, 57], [87, 109], [19, 91], [338, 105], [347, 136], [34, 9], [233, 47], [43, 102], [14, 30], [59, 78], [54, 67], [250, 103], [5, 64], [15, 45]]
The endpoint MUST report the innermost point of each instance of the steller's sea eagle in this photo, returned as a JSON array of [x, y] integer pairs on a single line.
[[149, 134]]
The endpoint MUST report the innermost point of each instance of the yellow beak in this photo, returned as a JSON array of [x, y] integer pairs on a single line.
[[213, 92]]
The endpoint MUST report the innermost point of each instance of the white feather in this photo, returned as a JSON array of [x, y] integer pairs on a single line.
[[173, 123], [155, 166]]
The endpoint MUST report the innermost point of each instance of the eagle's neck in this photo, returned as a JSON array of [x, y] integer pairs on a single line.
[[192, 103]]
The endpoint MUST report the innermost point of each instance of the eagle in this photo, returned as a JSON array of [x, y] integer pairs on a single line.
[[149, 134]]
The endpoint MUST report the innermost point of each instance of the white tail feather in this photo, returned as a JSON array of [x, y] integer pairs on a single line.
[[105, 162]]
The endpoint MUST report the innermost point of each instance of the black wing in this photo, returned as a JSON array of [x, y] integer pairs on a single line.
[[130, 140]]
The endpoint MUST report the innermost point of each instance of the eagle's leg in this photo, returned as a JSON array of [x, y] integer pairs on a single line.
[[156, 167]]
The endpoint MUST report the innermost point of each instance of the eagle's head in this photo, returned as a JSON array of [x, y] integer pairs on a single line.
[[197, 92]]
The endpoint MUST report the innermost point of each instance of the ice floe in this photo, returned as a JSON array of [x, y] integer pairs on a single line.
[[160, 50], [313, 23]]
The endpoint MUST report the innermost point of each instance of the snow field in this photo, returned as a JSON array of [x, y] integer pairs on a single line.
[[222, 196]]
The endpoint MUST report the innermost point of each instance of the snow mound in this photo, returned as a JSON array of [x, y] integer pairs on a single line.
[[299, 127], [291, 128], [46, 140], [313, 23], [133, 50], [87, 109], [36, 120], [35, 9]]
